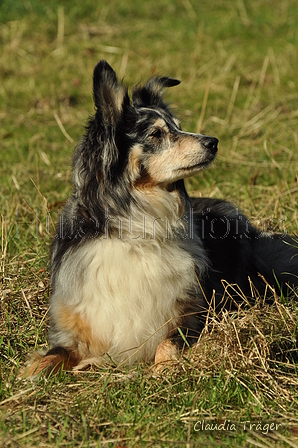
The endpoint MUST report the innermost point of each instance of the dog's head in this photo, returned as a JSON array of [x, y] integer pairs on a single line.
[[137, 141]]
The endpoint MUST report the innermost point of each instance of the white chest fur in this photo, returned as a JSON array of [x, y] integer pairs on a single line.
[[127, 291]]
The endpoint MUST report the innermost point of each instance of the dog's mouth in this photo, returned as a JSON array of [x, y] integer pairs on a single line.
[[197, 166], [210, 147]]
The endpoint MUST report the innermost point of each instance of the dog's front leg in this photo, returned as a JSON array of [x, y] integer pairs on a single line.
[[166, 352]]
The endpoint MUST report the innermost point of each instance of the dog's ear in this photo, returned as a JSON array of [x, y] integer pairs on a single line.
[[109, 94], [151, 94]]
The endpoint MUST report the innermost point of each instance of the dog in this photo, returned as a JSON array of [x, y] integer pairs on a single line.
[[136, 263]]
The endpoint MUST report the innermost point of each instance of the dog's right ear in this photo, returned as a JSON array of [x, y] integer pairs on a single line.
[[151, 94], [109, 94]]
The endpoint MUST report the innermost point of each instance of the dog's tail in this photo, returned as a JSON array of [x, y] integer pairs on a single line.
[[51, 362]]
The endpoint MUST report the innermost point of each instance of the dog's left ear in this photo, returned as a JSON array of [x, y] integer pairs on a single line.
[[151, 94], [109, 94]]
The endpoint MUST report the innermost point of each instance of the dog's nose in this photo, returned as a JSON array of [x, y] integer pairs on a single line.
[[210, 143]]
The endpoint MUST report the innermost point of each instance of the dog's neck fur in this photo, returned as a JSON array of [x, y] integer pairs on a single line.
[[157, 213]]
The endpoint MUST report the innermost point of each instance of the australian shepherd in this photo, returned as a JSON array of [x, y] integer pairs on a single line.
[[136, 263]]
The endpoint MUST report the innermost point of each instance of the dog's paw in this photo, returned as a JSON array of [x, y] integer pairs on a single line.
[[166, 353]]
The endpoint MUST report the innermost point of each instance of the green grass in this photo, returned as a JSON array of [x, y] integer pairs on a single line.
[[238, 63]]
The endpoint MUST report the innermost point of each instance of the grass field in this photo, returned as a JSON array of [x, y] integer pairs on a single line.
[[238, 63]]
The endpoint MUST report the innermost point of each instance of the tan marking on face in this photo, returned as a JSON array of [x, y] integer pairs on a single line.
[[134, 162], [182, 154], [160, 123]]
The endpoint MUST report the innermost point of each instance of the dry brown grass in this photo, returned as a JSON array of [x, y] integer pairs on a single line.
[[256, 344]]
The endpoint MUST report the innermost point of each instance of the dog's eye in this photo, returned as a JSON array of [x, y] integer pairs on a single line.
[[157, 133]]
